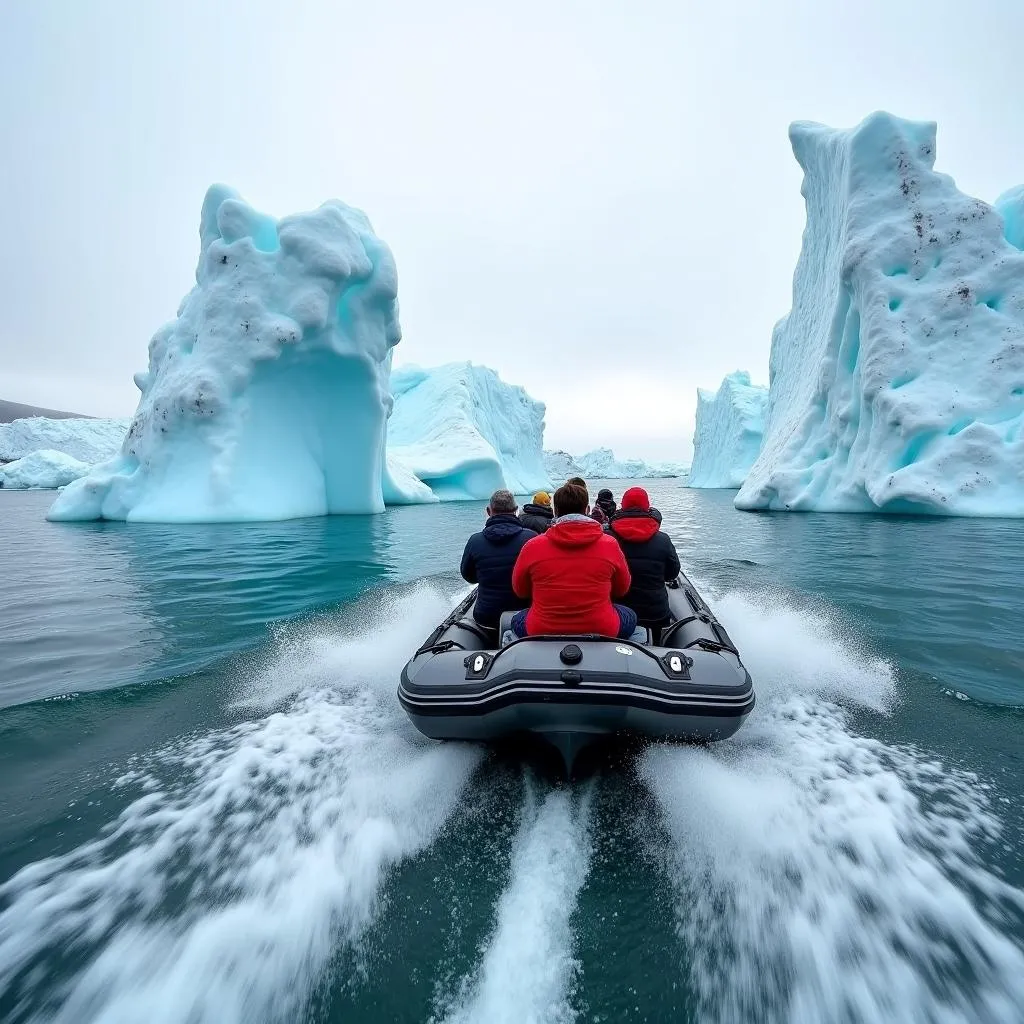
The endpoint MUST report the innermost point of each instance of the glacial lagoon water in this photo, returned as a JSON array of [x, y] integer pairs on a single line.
[[213, 809]]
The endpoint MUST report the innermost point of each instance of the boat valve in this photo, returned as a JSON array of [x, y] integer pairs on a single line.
[[477, 665], [676, 664], [570, 654]]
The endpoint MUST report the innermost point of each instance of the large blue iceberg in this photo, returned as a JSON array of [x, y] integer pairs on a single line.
[[459, 432], [267, 397], [460, 427], [897, 379], [729, 429]]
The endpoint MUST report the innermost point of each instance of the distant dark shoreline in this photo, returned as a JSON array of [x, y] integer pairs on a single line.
[[16, 411]]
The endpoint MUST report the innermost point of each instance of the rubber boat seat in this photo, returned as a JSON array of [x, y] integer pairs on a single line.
[[504, 626]]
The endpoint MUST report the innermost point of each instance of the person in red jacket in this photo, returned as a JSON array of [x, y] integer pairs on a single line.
[[570, 574]]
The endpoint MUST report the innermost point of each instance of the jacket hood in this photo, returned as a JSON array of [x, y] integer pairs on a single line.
[[574, 531], [502, 528], [634, 526], [539, 510]]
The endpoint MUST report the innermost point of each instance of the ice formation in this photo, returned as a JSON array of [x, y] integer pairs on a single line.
[[559, 466], [86, 440], [601, 464], [42, 469], [1011, 208], [462, 432], [897, 379], [267, 397], [730, 424]]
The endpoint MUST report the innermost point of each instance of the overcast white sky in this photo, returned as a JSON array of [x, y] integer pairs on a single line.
[[596, 199]]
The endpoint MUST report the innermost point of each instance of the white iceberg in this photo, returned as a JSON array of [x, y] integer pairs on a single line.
[[87, 440], [42, 469], [897, 379], [462, 432], [267, 397], [559, 466], [601, 464], [727, 438]]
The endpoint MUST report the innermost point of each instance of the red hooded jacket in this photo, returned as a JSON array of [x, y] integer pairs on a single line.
[[570, 574]]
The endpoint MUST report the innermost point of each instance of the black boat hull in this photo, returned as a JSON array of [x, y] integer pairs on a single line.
[[689, 684]]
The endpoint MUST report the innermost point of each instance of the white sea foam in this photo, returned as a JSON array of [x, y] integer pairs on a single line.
[[252, 855], [528, 966], [824, 876]]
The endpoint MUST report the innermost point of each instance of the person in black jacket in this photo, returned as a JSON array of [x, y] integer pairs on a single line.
[[604, 508], [650, 555], [537, 515], [490, 556]]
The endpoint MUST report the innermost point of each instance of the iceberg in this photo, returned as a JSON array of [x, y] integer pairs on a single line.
[[267, 397], [460, 432], [560, 465], [42, 469], [727, 438], [1010, 206], [601, 464], [897, 378], [86, 440]]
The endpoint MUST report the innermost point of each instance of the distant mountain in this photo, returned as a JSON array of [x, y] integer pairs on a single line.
[[16, 411]]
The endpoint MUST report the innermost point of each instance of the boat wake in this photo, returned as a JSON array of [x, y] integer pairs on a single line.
[[245, 856], [527, 968], [823, 876], [819, 875]]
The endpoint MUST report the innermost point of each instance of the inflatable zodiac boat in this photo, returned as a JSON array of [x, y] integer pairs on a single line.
[[686, 683]]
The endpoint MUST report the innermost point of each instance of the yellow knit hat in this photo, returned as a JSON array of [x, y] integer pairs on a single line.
[[542, 498]]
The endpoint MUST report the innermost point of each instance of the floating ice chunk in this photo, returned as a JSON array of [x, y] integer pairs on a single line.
[[43, 469], [463, 432], [897, 379], [267, 397], [87, 440], [730, 425]]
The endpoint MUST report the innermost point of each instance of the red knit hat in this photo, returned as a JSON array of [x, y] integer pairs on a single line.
[[636, 497]]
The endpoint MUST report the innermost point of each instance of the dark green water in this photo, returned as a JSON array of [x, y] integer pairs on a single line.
[[212, 808]]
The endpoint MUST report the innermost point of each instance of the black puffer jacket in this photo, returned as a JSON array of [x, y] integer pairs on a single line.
[[536, 517], [488, 561], [652, 560], [607, 506]]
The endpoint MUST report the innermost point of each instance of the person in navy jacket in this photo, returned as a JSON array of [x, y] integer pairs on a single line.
[[490, 556]]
